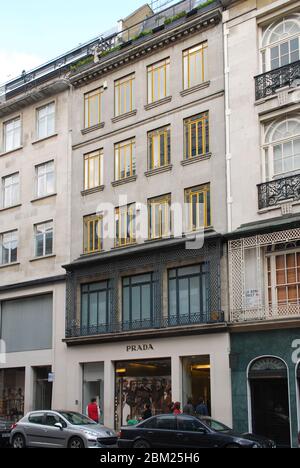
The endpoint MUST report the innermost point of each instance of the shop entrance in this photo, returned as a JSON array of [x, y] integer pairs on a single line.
[[268, 380], [93, 386], [196, 380], [12, 385], [43, 388], [139, 383]]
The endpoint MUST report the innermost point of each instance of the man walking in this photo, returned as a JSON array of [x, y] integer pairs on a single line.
[[93, 410]]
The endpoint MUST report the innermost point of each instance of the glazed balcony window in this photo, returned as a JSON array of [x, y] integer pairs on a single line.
[[197, 201], [284, 279], [43, 239], [195, 66], [158, 81], [159, 148], [10, 190], [12, 134], [8, 247], [45, 179], [93, 234], [95, 307], [138, 301], [93, 108], [159, 212], [196, 136], [125, 219], [125, 162], [93, 170], [124, 95], [45, 117]]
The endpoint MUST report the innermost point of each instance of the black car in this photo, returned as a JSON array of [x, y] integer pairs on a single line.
[[5, 429], [186, 432]]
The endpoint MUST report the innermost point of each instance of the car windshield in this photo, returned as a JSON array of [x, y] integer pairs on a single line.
[[215, 425], [77, 419]]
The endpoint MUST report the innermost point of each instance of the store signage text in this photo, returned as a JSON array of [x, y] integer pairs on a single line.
[[143, 347]]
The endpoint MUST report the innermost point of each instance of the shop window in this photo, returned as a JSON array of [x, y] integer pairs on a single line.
[[196, 381], [12, 385], [93, 386]]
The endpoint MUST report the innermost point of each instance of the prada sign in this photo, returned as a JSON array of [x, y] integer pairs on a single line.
[[142, 347]]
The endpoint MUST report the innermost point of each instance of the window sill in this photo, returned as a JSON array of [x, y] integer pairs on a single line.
[[45, 138], [87, 192], [91, 254], [196, 159], [161, 102], [8, 265], [159, 170], [11, 151], [128, 180], [119, 118], [45, 257], [194, 89], [10, 207], [120, 247], [93, 128], [44, 197]]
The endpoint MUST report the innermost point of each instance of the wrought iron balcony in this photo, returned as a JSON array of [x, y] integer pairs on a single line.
[[78, 331], [268, 83], [276, 191]]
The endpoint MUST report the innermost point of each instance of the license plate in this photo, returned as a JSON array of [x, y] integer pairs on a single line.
[[5, 436]]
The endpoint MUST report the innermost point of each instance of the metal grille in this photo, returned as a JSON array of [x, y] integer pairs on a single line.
[[158, 262], [276, 191], [268, 83]]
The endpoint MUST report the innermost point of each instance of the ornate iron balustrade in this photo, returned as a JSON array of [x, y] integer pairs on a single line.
[[276, 191], [268, 83]]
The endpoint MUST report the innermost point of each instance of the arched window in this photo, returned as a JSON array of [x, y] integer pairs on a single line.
[[280, 43], [282, 147]]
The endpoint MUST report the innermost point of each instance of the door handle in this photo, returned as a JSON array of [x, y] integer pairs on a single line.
[[150, 433], [179, 435]]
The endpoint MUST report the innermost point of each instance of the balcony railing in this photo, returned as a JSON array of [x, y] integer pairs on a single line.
[[277, 312], [281, 190], [268, 83], [78, 331]]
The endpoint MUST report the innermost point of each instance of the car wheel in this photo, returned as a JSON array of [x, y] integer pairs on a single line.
[[76, 442], [233, 446], [142, 444], [18, 441]]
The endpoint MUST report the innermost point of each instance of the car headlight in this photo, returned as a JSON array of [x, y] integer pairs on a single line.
[[91, 435]]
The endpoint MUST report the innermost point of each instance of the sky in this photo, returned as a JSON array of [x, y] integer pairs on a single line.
[[35, 31]]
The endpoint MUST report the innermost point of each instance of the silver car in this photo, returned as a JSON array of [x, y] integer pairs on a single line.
[[61, 429]]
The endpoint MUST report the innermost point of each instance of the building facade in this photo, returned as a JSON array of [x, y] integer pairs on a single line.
[[262, 89]]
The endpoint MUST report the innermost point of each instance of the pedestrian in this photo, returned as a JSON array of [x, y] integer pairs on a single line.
[[202, 409], [171, 407], [177, 409], [189, 407], [93, 410], [147, 413]]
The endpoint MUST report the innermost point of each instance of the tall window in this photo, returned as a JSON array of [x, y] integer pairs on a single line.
[[8, 247], [10, 190], [125, 95], [93, 234], [159, 148], [46, 121], [159, 217], [12, 134], [93, 170], [195, 65], [282, 147], [196, 136], [95, 306], [125, 162], [280, 43], [198, 207], [138, 301], [125, 217], [93, 108], [45, 179], [189, 294], [43, 234], [284, 278], [159, 81]]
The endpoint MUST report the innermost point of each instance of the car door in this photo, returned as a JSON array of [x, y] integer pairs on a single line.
[[35, 429], [192, 434], [164, 434], [55, 437]]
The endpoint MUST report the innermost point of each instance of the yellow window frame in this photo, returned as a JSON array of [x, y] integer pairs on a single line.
[[121, 215], [192, 53], [88, 158], [127, 84], [90, 224], [88, 97], [165, 132], [197, 192], [161, 202], [158, 67], [121, 151], [192, 124]]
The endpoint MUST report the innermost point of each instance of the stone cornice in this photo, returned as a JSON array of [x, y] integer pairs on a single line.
[[156, 42]]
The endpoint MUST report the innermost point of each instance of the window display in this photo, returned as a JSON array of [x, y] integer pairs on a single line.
[[12, 383]]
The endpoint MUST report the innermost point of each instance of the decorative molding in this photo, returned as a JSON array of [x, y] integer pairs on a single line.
[[87, 192], [196, 159], [127, 115], [128, 180], [159, 170], [155, 104], [194, 89], [84, 131]]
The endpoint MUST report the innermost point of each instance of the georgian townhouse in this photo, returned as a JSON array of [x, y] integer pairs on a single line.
[[262, 74]]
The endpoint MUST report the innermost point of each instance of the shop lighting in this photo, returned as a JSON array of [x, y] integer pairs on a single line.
[[121, 371], [201, 367]]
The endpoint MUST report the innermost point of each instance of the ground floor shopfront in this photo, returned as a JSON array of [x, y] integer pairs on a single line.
[[124, 376], [266, 383]]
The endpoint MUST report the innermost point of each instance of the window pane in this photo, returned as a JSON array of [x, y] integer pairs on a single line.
[[93, 309], [183, 296], [136, 303], [172, 298], [146, 302]]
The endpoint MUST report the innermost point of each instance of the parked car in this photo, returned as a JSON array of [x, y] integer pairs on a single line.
[[61, 429], [5, 429], [188, 432]]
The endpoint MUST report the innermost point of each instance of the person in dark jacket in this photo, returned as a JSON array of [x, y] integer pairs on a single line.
[[202, 409], [147, 413], [189, 408]]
